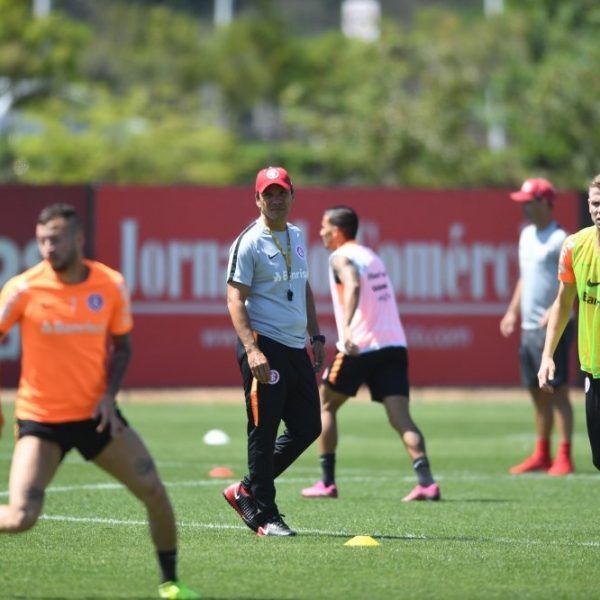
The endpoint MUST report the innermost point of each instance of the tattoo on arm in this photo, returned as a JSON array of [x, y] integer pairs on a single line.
[[118, 361], [34, 494], [144, 465]]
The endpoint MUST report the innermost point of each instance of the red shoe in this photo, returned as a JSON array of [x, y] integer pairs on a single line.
[[562, 465], [531, 463]]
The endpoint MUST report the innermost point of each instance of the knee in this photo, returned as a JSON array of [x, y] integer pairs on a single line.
[[153, 493]]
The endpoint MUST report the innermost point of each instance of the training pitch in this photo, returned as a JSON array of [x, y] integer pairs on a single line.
[[492, 536]]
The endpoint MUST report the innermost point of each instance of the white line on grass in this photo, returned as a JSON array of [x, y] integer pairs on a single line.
[[399, 537], [455, 477]]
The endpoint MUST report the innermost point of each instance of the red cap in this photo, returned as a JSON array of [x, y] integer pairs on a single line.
[[534, 188], [272, 175]]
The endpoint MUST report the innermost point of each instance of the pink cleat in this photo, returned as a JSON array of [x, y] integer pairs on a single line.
[[320, 490], [424, 492]]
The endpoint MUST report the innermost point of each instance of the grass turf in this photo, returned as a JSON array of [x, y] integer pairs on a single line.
[[492, 536]]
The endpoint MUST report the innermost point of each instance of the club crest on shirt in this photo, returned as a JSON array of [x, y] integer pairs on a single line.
[[300, 251], [95, 302], [273, 377]]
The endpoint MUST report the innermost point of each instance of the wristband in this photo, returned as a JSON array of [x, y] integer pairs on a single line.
[[317, 338]]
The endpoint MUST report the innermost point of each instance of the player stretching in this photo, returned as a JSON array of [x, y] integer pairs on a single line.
[[372, 350], [67, 308]]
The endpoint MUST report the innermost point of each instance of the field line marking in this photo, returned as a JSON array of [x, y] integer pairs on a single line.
[[324, 532], [465, 477]]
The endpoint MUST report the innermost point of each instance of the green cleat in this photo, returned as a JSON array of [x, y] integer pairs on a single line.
[[175, 590]]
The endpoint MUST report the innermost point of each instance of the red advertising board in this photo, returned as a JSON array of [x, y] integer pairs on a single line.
[[19, 208], [451, 255]]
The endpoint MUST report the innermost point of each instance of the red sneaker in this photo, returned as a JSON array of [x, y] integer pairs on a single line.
[[531, 463], [562, 465]]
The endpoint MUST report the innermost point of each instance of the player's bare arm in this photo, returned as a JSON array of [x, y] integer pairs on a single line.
[[312, 326], [509, 320], [117, 366], [347, 273], [257, 361], [560, 312]]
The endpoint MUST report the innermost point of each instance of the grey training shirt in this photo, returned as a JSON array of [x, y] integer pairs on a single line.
[[255, 261], [539, 251]]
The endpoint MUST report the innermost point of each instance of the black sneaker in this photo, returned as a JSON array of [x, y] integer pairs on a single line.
[[275, 526], [242, 502]]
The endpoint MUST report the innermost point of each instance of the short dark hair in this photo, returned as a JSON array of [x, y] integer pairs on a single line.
[[58, 210], [345, 218]]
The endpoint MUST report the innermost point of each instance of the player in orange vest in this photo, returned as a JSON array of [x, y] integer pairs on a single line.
[[69, 310]]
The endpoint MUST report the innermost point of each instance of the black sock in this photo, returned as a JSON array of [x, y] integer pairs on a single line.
[[328, 467], [421, 467], [167, 559]]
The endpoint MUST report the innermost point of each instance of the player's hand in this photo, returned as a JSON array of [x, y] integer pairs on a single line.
[[350, 347], [106, 413], [507, 324], [544, 318], [259, 365], [318, 350], [546, 374]]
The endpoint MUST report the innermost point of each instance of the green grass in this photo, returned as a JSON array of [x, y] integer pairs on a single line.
[[492, 536]]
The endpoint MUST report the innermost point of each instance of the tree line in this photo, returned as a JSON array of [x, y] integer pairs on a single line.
[[132, 93]]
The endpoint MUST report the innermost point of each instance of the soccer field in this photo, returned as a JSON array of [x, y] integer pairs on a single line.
[[492, 535]]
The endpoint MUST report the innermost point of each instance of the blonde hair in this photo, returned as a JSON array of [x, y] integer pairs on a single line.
[[595, 183]]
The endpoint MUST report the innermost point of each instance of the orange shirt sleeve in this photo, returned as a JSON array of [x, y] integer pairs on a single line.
[[565, 262], [12, 303], [121, 321]]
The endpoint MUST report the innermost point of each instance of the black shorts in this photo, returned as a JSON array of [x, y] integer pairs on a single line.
[[530, 355], [385, 372], [74, 434]]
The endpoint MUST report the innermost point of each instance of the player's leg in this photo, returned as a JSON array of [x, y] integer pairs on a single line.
[[331, 402], [34, 463], [126, 458], [563, 411], [341, 380], [301, 412], [561, 403], [530, 351], [592, 414], [398, 413], [253, 498]]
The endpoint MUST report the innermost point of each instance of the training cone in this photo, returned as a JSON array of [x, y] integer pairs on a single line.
[[216, 437], [224, 472], [362, 540]]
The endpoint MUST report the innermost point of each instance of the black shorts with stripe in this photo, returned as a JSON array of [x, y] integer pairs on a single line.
[[384, 371], [73, 434]]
